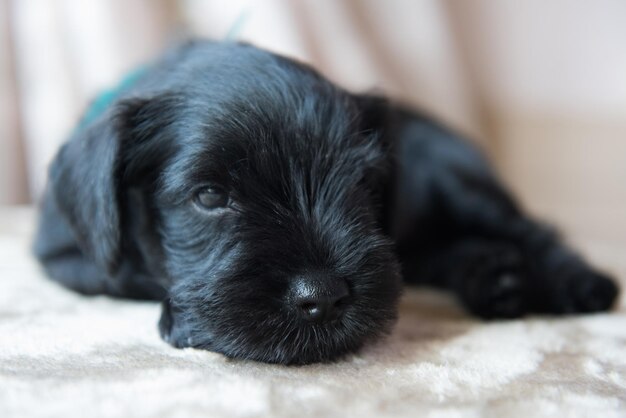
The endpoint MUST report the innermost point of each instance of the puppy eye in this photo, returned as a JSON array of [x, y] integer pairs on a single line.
[[212, 198]]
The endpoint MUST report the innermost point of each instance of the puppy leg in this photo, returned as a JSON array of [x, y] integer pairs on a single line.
[[71, 269], [489, 277], [55, 246], [471, 237]]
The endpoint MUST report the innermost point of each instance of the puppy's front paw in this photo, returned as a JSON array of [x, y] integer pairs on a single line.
[[171, 327], [494, 285]]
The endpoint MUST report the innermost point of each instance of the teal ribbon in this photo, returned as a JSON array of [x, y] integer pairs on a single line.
[[102, 102], [105, 99]]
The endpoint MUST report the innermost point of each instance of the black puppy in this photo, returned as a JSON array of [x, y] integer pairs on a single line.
[[276, 214]]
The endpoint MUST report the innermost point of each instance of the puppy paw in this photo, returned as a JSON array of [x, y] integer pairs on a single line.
[[494, 285], [170, 326], [583, 290]]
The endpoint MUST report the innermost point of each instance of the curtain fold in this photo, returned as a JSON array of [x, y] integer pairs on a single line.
[[13, 175]]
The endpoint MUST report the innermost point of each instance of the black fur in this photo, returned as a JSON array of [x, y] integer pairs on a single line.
[[322, 183]]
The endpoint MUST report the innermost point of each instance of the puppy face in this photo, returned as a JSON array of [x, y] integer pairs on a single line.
[[263, 189]]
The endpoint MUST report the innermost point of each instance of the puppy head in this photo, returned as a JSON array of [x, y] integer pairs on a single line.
[[264, 190]]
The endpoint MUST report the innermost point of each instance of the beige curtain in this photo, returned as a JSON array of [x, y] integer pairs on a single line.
[[541, 84]]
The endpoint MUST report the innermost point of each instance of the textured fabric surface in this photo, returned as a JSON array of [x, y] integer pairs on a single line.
[[62, 354]]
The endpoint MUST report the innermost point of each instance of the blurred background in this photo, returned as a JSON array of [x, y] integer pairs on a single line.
[[540, 84]]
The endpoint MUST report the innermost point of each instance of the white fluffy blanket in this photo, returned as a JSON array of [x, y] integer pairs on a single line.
[[69, 356]]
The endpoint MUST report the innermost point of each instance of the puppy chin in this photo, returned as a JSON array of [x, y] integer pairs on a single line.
[[301, 343]]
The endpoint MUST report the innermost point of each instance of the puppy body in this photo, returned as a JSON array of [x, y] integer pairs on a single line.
[[276, 214]]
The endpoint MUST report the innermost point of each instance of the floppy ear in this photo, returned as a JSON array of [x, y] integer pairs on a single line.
[[86, 177], [84, 183]]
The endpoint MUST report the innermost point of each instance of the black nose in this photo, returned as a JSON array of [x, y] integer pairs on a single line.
[[318, 298]]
